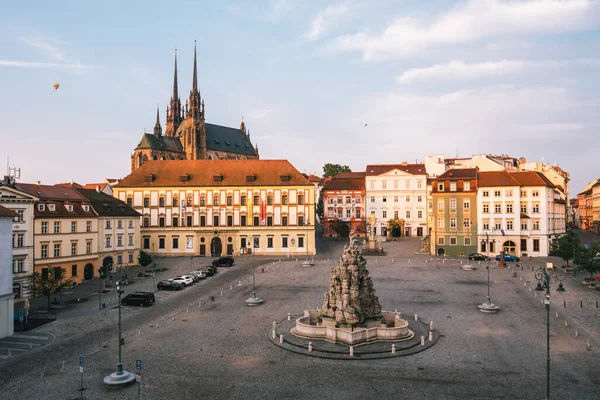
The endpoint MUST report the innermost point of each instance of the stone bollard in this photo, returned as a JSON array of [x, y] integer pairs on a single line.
[[422, 340], [588, 344], [187, 310], [576, 333], [557, 314], [289, 317], [221, 292], [280, 339], [230, 287], [199, 304], [393, 349], [309, 347], [430, 325], [173, 318], [351, 351], [274, 334], [139, 333], [416, 317], [239, 283], [444, 261], [460, 262], [430, 336], [566, 323]]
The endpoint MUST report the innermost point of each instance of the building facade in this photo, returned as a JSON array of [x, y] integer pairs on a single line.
[[218, 207], [65, 231], [454, 199], [397, 191], [6, 277], [344, 205], [118, 224], [22, 204], [585, 204], [188, 136]]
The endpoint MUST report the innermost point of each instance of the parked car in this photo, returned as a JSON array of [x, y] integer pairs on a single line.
[[182, 280], [141, 299], [210, 270], [508, 257], [166, 285], [478, 257], [199, 274], [226, 261]]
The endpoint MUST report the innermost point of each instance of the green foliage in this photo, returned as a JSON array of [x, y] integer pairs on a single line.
[[320, 207], [394, 223], [564, 247], [334, 169], [144, 258], [587, 259], [54, 282]]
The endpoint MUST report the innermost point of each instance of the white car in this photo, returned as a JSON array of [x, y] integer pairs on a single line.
[[199, 274], [184, 280]]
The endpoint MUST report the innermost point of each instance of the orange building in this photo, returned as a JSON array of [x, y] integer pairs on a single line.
[[344, 201]]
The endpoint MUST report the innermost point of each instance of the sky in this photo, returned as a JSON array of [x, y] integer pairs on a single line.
[[351, 82]]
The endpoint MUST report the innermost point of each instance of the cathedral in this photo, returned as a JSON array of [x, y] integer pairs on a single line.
[[187, 135]]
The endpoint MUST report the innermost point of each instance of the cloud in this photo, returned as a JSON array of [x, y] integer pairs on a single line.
[[36, 64], [325, 19], [459, 70], [260, 114], [474, 21], [48, 46]]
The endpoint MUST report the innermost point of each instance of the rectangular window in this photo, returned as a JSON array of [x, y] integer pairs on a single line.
[[497, 225], [300, 241], [146, 242], [88, 247], [161, 201], [441, 240], [535, 193], [230, 220], [243, 220], [430, 205], [358, 213], [56, 249], [523, 193], [44, 251], [509, 208], [497, 208], [467, 241], [384, 184], [372, 199], [486, 225], [130, 241], [256, 200], [536, 225], [74, 248], [419, 214], [243, 200], [175, 222], [270, 242], [509, 193], [452, 189], [396, 214], [161, 243], [466, 204], [56, 227], [453, 241], [107, 241], [452, 223], [407, 183], [175, 242], [523, 224], [175, 202], [358, 200], [284, 242], [535, 209], [229, 200], [419, 184], [419, 199], [203, 220], [536, 244], [384, 199], [120, 224], [88, 226], [407, 199], [190, 199], [73, 226], [130, 257], [20, 239], [441, 204], [146, 201], [340, 210], [453, 204], [203, 201], [161, 222], [407, 213], [215, 199], [483, 246], [301, 199], [496, 193], [119, 240], [215, 220], [146, 222], [509, 225], [523, 244], [284, 199], [467, 223], [300, 220], [441, 223], [270, 220], [466, 188], [256, 221], [486, 193], [395, 199], [44, 227], [384, 214], [74, 270], [284, 221], [108, 225], [524, 208], [189, 220]]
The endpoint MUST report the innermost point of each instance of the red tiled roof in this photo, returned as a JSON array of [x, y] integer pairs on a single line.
[[496, 178], [48, 192], [95, 185], [60, 195], [6, 213], [314, 178], [346, 181], [531, 178], [201, 173], [459, 173], [378, 169]]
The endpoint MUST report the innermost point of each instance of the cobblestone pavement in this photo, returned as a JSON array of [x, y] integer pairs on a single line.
[[195, 347]]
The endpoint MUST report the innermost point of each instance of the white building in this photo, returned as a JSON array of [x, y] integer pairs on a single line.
[[22, 204], [397, 191], [6, 278], [520, 211]]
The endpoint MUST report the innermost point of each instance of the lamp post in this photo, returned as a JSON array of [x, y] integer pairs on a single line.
[[121, 377], [307, 262], [488, 306], [544, 278], [254, 301]]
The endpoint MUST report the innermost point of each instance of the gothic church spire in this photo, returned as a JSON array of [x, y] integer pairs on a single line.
[[175, 110], [157, 127]]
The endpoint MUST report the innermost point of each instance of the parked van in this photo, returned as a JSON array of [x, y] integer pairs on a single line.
[[141, 299]]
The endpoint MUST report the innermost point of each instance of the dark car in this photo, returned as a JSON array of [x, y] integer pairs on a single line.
[[226, 261], [478, 257], [141, 299], [166, 285], [508, 257], [210, 270]]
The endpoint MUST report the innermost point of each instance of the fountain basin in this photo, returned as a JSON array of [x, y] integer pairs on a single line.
[[390, 328]]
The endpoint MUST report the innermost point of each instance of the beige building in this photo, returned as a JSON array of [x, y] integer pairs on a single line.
[[585, 204], [65, 231], [218, 207], [22, 204]]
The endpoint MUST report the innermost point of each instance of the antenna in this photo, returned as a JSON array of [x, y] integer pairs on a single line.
[[13, 173]]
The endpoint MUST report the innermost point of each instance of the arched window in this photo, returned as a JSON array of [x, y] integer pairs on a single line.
[[509, 247]]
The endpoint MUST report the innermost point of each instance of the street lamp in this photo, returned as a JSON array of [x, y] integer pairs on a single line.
[[544, 278], [307, 262], [254, 301], [119, 378], [488, 306]]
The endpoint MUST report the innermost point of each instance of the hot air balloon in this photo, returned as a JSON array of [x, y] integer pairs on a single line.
[[56, 86]]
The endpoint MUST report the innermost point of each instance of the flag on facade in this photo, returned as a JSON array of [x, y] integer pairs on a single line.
[[263, 213]]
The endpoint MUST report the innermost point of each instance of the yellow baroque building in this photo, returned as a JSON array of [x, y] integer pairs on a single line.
[[222, 207]]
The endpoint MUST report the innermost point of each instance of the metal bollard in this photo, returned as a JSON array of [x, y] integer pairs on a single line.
[[280, 339], [422, 340], [309, 347], [393, 349], [274, 334]]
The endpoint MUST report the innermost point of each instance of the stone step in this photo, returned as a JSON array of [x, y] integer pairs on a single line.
[[27, 339], [18, 345]]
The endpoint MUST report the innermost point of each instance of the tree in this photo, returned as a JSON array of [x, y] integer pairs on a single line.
[[320, 207], [564, 247], [53, 282], [334, 169], [144, 258], [395, 224], [586, 258]]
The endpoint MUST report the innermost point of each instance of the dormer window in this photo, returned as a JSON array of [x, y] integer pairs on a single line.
[[285, 178], [41, 207], [51, 207], [218, 178], [184, 178], [440, 187], [250, 178], [86, 208], [69, 207], [149, 178]]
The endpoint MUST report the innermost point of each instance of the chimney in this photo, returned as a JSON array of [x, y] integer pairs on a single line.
[[37, 183], [98, 188]]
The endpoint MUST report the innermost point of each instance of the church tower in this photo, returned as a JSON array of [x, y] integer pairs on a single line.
[[174, 111], [194, 140], [157, 127]]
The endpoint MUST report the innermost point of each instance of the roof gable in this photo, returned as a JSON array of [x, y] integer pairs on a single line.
[[10, 191]]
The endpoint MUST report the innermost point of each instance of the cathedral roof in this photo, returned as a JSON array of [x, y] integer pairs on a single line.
[[165, 143], [225, 139]]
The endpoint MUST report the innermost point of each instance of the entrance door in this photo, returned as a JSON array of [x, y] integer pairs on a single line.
[[202, 250], [229, 249], [441, 252], [88, 272], [419, 231], [510, 247], [216, 247], [344, 230], [407, 232]]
